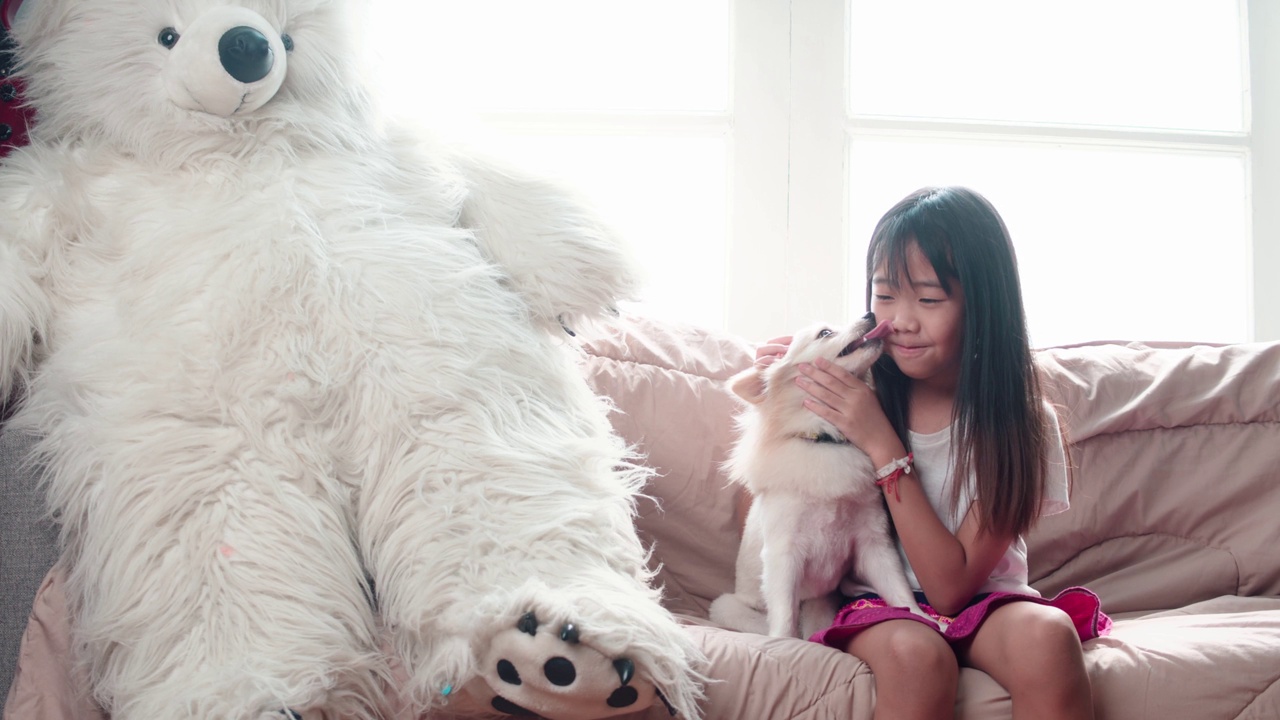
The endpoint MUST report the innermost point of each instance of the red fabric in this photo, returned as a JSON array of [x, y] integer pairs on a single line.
[[13, 115], [1081, 605], [9, 9]]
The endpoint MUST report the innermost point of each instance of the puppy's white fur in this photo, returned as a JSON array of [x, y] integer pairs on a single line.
[[816, 514], [273, 345]]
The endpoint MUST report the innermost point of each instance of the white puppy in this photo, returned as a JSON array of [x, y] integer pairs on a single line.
[[817, 515]]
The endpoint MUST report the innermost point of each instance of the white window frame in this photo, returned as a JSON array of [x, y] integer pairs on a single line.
[[788, 249], [1264, 123]]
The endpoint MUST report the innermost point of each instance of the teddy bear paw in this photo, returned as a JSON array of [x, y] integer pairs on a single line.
[[552, 670]]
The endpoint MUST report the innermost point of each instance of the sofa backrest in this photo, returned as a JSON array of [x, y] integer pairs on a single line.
[[1177, 474], [1176, 454], [668, 383]]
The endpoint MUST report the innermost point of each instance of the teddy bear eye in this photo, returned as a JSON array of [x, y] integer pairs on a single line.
[[288, 42], [168, 37]]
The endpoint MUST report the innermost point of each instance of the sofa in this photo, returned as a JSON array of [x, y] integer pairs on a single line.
[[1174, 523]]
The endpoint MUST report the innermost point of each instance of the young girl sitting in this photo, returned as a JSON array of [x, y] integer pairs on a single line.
[[971, 456]]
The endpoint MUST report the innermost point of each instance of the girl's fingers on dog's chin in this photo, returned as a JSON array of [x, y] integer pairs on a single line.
[[817, 406]]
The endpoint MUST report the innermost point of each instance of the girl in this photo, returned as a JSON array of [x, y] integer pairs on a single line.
[[970, 456]]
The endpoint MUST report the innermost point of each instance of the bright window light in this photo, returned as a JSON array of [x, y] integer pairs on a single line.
[[1113, 242], [1133, 63], [552, 55], [675, 222], [626, 101]]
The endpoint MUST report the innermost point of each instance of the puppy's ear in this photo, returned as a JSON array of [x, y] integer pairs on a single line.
[[748, 385]]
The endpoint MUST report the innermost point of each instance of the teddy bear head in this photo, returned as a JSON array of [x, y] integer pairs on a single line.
[[143, 75]]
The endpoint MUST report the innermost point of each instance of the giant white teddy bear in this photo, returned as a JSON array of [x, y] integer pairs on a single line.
[[302, 404]]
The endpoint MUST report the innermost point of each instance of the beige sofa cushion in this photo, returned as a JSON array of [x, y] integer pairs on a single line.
[[668, 381], [1177, 477]]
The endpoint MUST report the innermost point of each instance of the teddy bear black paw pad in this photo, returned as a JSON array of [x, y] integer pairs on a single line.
[[504, 705], [560, 672], [541, 668], [623, 697], [508, 672]]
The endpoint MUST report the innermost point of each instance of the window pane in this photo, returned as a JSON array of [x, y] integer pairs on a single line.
[[1113, 243], [552, 55], [1137, 63], [667, 195]]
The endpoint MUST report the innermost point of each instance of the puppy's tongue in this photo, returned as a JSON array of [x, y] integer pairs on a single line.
[[884, 328]]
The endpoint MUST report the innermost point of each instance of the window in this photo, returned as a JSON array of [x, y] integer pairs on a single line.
[[747, 147], [629, 101]]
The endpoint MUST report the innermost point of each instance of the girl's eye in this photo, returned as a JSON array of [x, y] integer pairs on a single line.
[[288, 42], [168, 37], [824, 332]]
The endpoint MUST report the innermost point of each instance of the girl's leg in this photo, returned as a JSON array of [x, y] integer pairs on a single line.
[[1033, 651], [915, 670]]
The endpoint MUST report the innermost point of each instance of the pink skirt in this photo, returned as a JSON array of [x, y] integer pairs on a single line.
[[1080, 604]]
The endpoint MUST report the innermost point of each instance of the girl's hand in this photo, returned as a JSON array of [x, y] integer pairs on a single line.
[[768, 353], [847, 402]]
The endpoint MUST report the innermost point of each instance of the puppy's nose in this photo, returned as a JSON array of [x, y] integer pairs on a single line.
[[870, 317]]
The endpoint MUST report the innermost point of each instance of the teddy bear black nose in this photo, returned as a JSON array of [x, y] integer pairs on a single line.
[[245, 53]]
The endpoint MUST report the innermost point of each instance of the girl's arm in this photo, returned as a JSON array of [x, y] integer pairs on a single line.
[[950, 567]]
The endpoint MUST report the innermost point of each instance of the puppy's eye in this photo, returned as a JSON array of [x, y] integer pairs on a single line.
[[288, 42], [824, 332], [168, 37]]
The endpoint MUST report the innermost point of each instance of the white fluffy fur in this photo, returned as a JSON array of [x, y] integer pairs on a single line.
[[281, 347], [816, 514]]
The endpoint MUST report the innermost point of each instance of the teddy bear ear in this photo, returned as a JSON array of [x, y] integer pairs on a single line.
[[748, 385]]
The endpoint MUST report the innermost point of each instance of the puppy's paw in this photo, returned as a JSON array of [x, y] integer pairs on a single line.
[[548, 667], [732, 612]]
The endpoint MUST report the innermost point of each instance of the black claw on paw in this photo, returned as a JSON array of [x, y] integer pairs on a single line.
[[663, 698], [623, 697], [504, 705], [569, 633], [566, 328], [294, 714], [508, 672], [560, 671], [528, 624], [625, 669]]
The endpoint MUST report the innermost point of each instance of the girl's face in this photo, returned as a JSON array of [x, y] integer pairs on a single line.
[[928, 324]]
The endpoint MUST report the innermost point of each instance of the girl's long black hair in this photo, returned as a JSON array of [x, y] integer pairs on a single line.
[[998, 425]]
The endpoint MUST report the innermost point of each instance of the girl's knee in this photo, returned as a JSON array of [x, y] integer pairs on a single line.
[[1048, 649], [1054, 631], [911, 654]]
